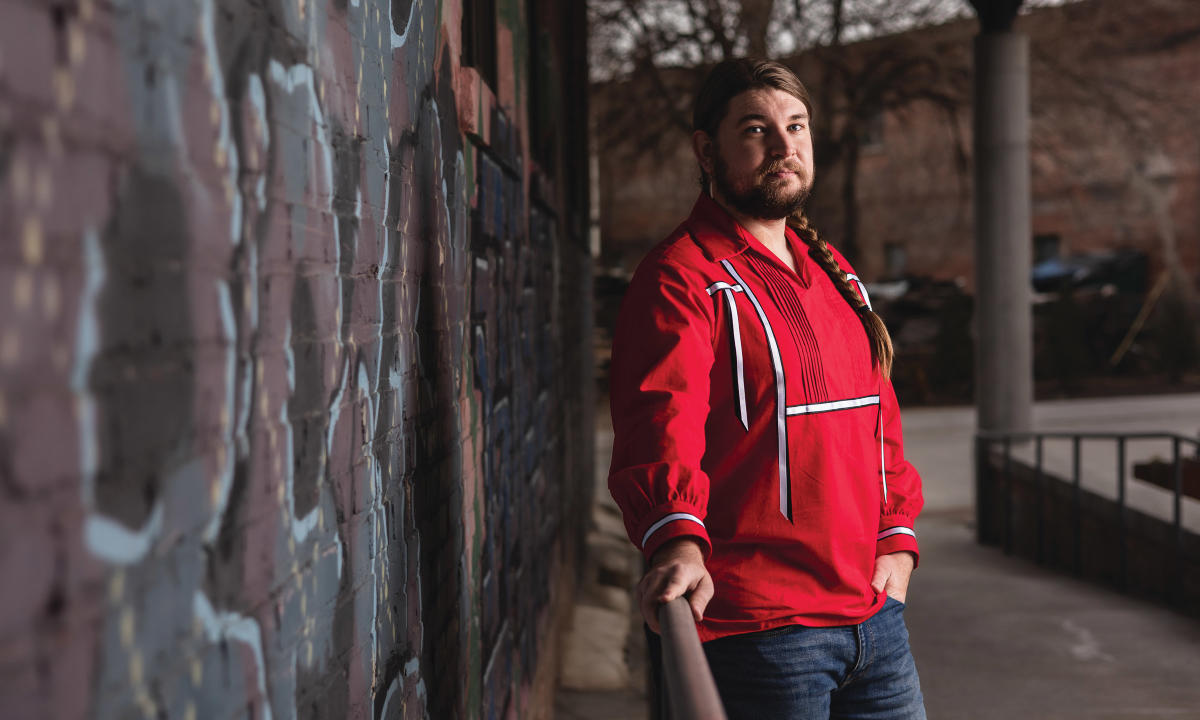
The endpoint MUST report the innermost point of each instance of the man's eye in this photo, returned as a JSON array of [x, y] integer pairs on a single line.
[[754, 129], [796, 127]]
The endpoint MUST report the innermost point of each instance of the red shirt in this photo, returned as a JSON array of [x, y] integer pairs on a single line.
[[747, 415]]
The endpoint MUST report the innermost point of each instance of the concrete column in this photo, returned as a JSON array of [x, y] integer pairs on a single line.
[[1003, 233]]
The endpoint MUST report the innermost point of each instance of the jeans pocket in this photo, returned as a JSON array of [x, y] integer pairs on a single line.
[[893, 602]]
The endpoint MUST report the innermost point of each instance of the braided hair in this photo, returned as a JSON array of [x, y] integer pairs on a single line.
[[882, 352]]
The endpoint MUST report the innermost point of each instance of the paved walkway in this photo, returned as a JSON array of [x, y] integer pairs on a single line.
[[998, 637]]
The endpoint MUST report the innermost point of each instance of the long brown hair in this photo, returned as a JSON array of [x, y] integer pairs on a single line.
[[732, 77]]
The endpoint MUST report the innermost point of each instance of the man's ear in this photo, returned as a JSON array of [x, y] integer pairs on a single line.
[[702, 146]]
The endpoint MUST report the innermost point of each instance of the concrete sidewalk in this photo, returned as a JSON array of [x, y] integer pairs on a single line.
[[998, 637]]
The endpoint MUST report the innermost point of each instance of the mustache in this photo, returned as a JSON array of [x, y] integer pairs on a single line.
[[779, 166]]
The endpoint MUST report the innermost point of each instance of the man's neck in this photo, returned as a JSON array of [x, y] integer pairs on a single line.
[[771, 233]]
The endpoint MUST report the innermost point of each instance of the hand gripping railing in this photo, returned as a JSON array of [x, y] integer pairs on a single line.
[[690, 691]]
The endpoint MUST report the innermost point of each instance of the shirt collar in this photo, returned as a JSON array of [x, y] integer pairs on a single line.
[[720, 236], [714, 230]]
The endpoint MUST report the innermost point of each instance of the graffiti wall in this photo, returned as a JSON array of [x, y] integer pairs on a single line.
[[294, 355]]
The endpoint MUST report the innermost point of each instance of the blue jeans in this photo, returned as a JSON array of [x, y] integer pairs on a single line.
[[852, 672]]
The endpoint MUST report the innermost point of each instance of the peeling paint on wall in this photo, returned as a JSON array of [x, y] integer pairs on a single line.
[[293, 403]]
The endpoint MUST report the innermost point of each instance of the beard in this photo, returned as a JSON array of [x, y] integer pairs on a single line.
[[768, 198]]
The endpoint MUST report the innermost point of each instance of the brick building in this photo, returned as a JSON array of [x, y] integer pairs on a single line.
[[1115, 150], [294, 357]]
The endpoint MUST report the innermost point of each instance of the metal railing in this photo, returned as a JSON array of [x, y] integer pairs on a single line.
[[985, 441], [689, 690]]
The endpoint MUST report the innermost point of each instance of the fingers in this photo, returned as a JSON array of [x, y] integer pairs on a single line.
[[650, 589], [701, 594], [649, 593], [897, 586], [891, 578], [892, 573], [649, 611], [879, 580], [676, 583], [659, 586], [892, 584], [667, 582]]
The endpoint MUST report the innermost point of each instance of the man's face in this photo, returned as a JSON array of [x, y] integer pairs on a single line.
[[760, 162]]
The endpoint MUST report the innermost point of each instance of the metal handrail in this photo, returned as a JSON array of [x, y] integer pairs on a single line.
[[984, 440], [1087, 435], [690, 690]]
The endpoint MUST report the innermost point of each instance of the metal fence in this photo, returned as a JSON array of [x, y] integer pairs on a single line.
[[997, 489]]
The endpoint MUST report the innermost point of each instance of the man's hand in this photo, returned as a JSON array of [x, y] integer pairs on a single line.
[[892, 573], [676, 568]]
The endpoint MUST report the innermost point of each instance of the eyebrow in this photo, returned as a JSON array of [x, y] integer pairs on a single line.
[[763, 118]]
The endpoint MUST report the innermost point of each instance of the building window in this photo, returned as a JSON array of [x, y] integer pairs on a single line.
[[894, 260], [479, 38], [1046, 246]]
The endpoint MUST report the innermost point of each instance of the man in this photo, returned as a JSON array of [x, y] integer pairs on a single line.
[[757, 454]]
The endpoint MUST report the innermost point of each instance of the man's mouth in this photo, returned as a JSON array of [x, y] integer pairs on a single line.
[[781, 172]]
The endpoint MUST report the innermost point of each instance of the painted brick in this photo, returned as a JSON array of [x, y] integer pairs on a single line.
[[271, 330]]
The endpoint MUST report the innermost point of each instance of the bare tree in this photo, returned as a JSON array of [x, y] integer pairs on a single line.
[[649, 57], [864, 59]]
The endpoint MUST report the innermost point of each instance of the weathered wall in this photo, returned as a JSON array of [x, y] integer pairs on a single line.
[[294, 361], [1115, 153]]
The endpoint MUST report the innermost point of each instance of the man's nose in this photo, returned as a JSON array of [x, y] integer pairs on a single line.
[[781, 145]]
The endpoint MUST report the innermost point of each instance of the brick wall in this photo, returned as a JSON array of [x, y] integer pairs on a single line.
[[294, 367]]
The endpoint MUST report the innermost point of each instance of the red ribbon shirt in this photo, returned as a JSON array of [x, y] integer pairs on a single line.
[[748, 416]]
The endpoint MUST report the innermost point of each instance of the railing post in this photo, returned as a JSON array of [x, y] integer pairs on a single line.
[[1040, 510], [686, 676], [1009, 488], [1077, 503], [999, 519], [981, 490], [1122, 530], [1177, 520]]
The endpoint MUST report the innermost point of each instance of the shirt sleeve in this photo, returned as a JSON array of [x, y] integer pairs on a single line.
[[659, 393], [903, 500]]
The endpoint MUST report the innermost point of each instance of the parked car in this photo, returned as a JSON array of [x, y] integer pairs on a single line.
[[1123, 269]]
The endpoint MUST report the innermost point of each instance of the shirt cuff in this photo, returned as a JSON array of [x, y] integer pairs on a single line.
[[895, 538], [670, 525]]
